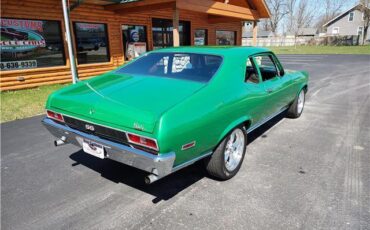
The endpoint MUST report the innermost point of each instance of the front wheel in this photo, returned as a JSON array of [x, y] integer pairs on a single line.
[[227, 159], [296, 108]]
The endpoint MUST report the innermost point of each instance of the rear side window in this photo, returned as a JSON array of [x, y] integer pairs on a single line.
[[266, 66], [185, 66]]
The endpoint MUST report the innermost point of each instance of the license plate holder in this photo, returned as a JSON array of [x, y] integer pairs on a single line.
[[93, 148]]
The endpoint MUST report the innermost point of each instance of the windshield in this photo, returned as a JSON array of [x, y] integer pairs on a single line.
[[186, 66]]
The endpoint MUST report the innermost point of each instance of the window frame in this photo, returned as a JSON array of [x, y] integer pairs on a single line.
[[76, 47], [63, 50], [332, 31], [146, 35], [273, 59], [255, 67], [358, 30], [206, 36], [222, 30], [353, 16]]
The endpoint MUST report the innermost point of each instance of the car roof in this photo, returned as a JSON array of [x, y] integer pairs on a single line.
[[215, 50]]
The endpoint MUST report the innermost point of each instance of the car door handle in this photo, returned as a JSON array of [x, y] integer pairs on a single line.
[[269, 90]]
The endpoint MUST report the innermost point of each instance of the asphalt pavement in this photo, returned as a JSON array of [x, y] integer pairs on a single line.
[[306, 173]]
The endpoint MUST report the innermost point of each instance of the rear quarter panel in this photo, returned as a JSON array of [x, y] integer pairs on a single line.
[[206, 116]]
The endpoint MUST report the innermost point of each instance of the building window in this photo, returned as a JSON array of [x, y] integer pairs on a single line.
[[225, 37], [359, 31], [91, 42], [200, 37], [350, 16], [162, 30], [335, 30], [28, 44], [134, 41], [363, 16]]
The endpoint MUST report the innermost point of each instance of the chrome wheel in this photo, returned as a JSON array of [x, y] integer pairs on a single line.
[[234, 150], [300, 103]]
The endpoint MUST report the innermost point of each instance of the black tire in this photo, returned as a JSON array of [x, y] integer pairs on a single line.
[[294, 111], [216, 165]]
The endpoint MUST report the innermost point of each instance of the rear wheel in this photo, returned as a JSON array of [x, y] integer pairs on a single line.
[[296, 108], [227, 159]]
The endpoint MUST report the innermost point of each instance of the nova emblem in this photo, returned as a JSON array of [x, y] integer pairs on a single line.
[[138, 126], [91, 111], [89, 127]]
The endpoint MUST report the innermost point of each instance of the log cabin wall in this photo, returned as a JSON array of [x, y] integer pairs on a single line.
[[52, 10]]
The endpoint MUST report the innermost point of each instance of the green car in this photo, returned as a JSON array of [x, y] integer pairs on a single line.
[[172, 107]]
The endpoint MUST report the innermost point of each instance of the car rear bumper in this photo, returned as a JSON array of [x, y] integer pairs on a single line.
[[159, 165]]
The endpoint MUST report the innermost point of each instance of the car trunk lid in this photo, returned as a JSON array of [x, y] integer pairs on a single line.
[[127, 101]]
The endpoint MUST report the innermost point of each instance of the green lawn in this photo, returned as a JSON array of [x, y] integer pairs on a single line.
[[24, 103], [321, 49]]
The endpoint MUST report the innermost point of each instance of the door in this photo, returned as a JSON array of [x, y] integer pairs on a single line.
[[162, 30], [257, 96], [271, 82]]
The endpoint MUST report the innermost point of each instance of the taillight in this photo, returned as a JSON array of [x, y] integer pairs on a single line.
[[55, 116], [142, 141]]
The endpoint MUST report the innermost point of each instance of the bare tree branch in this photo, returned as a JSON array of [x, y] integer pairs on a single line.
[[278, 11]]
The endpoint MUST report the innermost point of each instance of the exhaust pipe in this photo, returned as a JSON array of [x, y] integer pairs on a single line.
[[60, 141], [151, 178]]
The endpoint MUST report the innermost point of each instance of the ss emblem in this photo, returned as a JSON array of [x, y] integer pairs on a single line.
[[90, 127]]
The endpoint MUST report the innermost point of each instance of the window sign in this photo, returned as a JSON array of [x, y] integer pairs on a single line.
[[27, 44], [91, 42], [134, 41], [225, 38], [200, 37]]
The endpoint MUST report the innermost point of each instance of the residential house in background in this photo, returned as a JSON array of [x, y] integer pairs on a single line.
[[349, 23]]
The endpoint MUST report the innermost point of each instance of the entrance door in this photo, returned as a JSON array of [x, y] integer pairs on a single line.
[[163, 35]]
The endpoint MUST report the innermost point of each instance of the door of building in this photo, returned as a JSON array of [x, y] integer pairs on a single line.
[[163, 33]]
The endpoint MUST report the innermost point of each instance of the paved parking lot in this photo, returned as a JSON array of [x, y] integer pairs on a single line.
[[308, 173]]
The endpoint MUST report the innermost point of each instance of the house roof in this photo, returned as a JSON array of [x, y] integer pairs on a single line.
[[358, 6], [240, 9]]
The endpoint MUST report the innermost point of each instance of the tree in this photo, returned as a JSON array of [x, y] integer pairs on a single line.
[[331, 9], [366, 17], [278, 10], [301, 14]]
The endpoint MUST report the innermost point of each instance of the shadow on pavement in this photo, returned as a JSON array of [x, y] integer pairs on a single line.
[[165, 188]]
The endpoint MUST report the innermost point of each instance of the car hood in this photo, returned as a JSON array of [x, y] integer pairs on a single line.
[[124, 100]]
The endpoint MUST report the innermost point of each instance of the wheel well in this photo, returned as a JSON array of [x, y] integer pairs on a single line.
[[247, 124], [305, 88]]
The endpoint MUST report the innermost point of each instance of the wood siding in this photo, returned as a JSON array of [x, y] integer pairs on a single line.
[[52, 10]]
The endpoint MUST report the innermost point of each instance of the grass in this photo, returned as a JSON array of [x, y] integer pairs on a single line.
[[24, 103], [321, 49]]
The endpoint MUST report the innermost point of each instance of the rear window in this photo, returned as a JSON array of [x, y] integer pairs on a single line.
[[185, 66]]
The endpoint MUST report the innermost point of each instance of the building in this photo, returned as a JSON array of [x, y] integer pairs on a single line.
[[307, 32], [349, 23], [36, 43]]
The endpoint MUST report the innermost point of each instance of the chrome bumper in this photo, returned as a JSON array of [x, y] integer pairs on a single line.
[[159, 165]]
